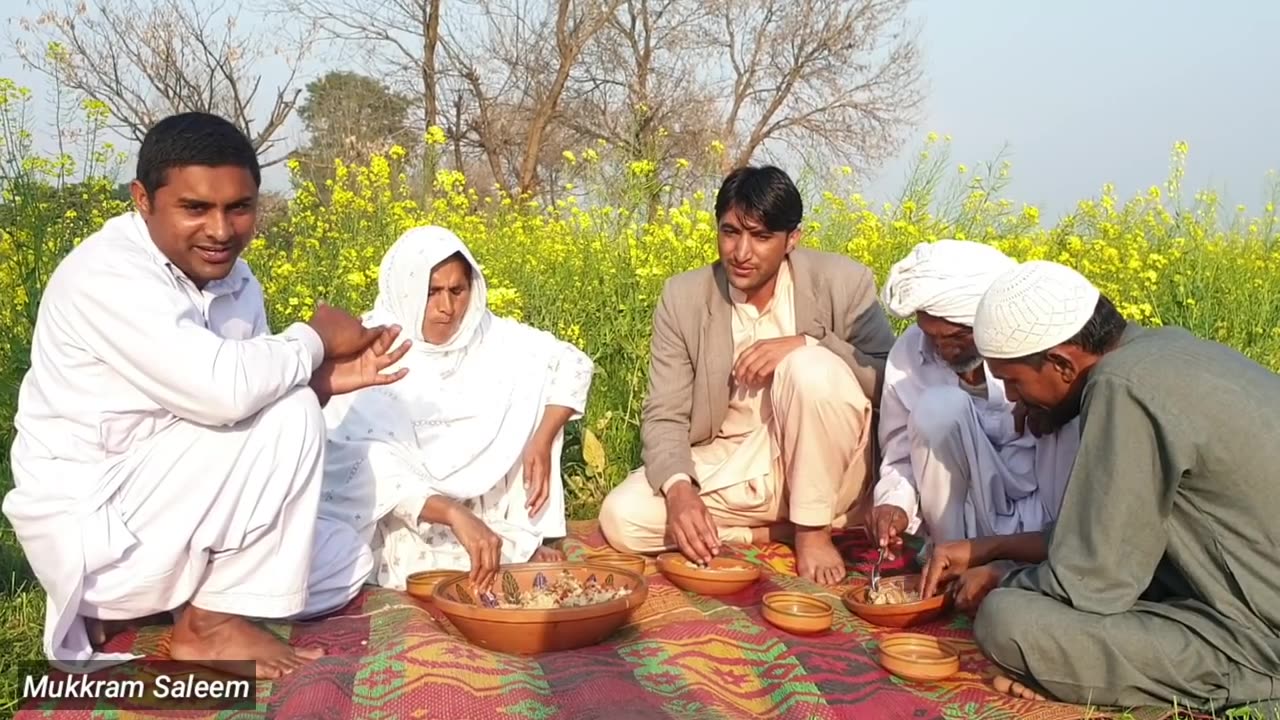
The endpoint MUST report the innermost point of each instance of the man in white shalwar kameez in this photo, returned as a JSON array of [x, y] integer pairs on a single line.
[[457, 466], [957, 456], [169, 447]]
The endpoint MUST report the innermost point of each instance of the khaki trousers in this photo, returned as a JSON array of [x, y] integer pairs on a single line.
[[821, 436]]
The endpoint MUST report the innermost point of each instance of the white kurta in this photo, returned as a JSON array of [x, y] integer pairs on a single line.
[[456, 425], [951, 457], [160, 426]]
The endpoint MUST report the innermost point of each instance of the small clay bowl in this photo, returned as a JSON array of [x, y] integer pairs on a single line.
[[797, 613], [422, 584], [625, 561], [921, 658], [723, 576], [897, 616]]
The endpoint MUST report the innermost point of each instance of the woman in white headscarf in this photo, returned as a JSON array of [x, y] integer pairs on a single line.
[[457, 465]]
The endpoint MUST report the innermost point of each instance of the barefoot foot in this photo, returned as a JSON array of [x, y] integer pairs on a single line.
[[817, 558], [200, 636], [1007, 685], [546, 553]]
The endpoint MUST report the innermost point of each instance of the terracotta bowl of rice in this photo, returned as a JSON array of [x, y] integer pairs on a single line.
[[897, 604], [542, 607]]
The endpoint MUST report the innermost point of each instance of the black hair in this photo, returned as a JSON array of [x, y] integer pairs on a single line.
[[766, 193], [193, 138], [1102, 330], [466, 264], [1099, 333]]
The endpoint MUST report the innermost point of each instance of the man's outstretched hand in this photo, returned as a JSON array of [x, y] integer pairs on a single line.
[[365, 369]]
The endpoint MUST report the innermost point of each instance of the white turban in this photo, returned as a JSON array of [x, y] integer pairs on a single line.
[[945, 279], [1032, 308]]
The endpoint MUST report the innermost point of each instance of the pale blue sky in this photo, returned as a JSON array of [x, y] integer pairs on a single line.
[[1083, 92]]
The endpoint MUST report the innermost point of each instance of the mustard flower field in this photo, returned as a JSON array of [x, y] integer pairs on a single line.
[[590, 264]]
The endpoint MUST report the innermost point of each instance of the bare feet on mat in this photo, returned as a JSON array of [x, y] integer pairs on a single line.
[[1007, 685], [817, 558], [101, 631], [546, 553], [201, 636]]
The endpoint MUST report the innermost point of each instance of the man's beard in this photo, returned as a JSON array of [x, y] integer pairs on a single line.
[[963, 367]]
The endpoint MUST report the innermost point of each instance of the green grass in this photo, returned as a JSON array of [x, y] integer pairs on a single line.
[[21, 612]]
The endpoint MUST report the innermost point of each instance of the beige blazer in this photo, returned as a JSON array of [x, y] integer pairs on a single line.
[[691, 351]]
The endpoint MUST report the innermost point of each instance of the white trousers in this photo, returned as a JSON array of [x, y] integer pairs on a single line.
[[226, 519], [972, 485]]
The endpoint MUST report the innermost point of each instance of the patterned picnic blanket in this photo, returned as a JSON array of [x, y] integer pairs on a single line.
[[681, 656]]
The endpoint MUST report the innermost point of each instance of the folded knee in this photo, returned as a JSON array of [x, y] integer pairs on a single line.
[[816, 373], [294, 421], [618, 521], [1003, 626], [940, 412]]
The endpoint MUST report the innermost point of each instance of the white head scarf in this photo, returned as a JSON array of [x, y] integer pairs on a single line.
[[1032, 308], [465, 410], [945, 279], [404, 278]]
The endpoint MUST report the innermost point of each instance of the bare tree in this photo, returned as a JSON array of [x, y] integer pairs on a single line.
[[840, 78], [146, 61], [636, 88], [514, 63], [400, 37]]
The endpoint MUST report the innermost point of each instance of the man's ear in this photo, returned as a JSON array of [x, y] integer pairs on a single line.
[[1064, 364], [793, 239], [140, 199]]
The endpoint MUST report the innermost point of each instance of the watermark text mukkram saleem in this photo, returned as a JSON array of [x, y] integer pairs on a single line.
[[175, 687]]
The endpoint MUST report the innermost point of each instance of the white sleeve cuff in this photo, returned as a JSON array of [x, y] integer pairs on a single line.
[[310, 339]]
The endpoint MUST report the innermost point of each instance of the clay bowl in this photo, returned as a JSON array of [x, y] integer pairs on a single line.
[[625, 561], [797, 613], [899, 615], [422, 584], [527, 631], [922, 658], [722, 577]]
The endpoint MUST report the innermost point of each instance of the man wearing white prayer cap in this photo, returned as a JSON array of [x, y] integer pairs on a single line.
[[1160, 581], [956, 457]]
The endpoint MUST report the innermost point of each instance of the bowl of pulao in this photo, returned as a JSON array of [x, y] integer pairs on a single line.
[[542, 607], [895, 603]]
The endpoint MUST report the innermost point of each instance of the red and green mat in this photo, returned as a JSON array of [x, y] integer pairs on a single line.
[[681, 656]]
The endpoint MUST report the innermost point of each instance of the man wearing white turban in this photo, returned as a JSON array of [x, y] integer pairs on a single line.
[[457, 465], [1159, 584], [956, 458]]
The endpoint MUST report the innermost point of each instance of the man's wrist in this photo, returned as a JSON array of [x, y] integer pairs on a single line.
[[987, 550], [674, 481]]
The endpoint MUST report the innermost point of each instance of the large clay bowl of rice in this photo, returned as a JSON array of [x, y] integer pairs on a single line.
[[542, 607]]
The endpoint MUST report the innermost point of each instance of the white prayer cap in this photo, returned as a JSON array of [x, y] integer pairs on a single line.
[[1031, 308], [945, 279]]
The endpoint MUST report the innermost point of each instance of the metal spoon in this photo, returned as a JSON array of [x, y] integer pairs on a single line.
[[875, 571]]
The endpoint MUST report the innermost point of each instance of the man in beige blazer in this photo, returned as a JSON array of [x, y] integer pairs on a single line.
[[764, 372]]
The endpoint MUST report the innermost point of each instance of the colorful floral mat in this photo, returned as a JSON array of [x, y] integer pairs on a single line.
[[681, 656]]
